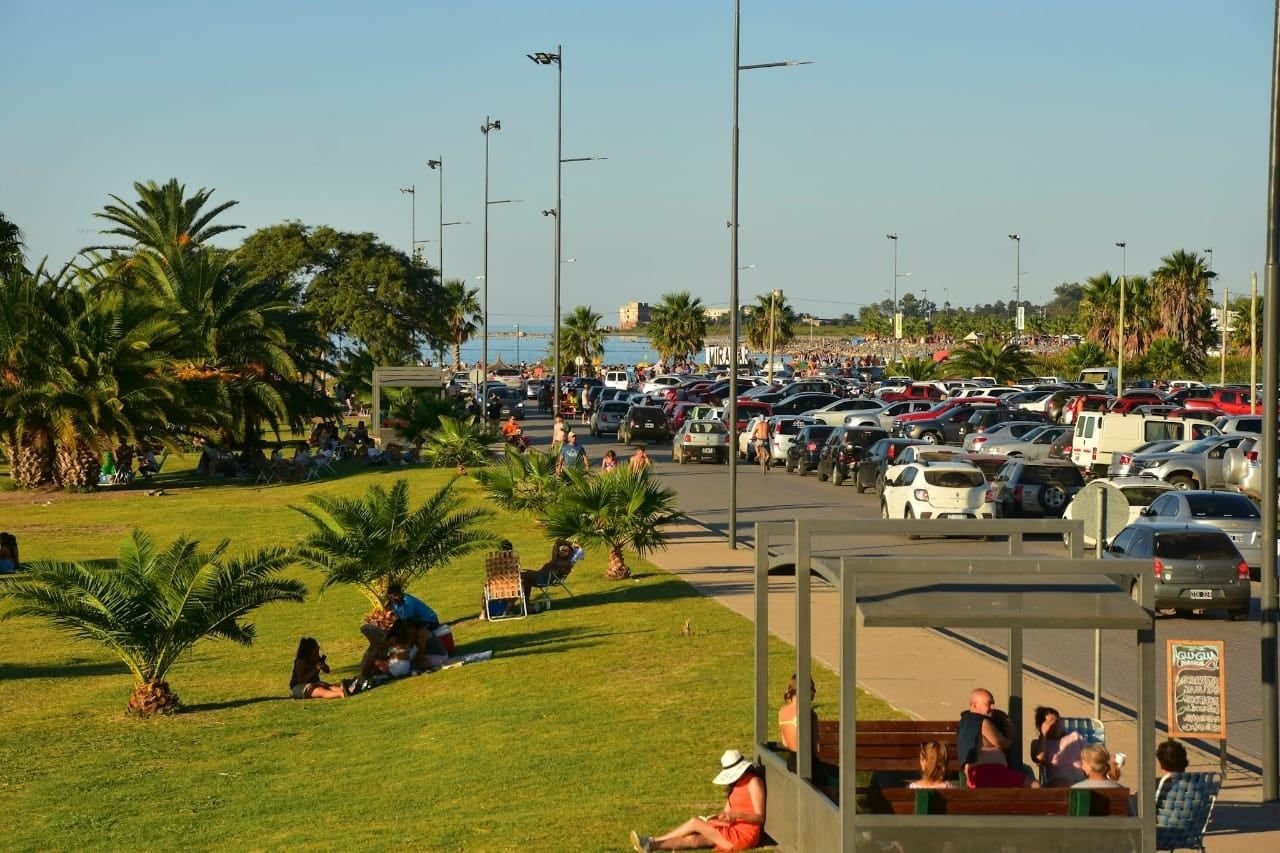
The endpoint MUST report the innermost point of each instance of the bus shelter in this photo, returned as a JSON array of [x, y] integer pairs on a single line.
[[399, 377], [1015, 592]]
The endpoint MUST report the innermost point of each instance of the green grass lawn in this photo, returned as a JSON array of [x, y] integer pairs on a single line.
[[593, 718]]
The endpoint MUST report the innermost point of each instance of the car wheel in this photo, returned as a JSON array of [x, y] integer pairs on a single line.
[[836, 478], [1182, 481], [884, 510], [909, 514], [1053, 499], [679, 457], [879, 484], [802, 469], [788, 467], [822, 477], [930, 438]]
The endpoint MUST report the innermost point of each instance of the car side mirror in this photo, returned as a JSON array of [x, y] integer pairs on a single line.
[[1146, 512]]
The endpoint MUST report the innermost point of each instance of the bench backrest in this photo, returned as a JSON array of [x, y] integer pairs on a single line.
[[887, 744], [1075, 802]]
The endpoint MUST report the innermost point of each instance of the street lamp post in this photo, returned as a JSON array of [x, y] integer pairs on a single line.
[[732, 406], [434, 165], [517, 345], [1124, 274], [487, 128], [1017, 285], [413, 217], [773, 313], [897, 323]]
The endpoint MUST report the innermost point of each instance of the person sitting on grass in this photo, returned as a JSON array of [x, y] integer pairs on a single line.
[[421, 622], [739, 824], [933, 766], [305, 682]]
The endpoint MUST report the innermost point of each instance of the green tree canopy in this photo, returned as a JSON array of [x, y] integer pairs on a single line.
[[677, 326]]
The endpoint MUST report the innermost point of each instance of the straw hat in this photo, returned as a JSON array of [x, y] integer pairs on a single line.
[[732, 766]]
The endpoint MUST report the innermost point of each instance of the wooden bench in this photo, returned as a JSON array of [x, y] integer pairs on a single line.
[[891, 746], [1071, 802]]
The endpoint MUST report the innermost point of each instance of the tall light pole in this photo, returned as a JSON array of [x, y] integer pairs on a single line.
[[732, 407], [1017, 285], [1124, 274], [435, 165], [897, 327], [773, 313], [413, 216], [557, 59], [1270, 381], [517, 344], [487, 128]]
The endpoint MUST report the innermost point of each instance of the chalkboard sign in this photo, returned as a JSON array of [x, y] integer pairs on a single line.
[[1197, 684]]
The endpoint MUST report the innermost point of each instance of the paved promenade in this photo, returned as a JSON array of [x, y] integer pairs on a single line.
[[906, 668]]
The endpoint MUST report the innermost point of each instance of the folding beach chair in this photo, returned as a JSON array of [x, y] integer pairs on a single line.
[[553, 574], [1184, 806], [503, 592]]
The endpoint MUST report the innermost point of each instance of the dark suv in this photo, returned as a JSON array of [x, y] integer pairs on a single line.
[[1036, 488], [871, 465], [981, 419], [1196, 567], [643, 423], [806, 447], [843, 451], [944, 429]]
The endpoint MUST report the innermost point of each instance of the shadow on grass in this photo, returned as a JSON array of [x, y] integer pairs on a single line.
[[232, 703], [73, 669]]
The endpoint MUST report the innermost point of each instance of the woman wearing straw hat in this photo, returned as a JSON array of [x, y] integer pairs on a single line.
[[737, 827]]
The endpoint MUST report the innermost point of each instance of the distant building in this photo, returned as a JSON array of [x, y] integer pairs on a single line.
[[714, 314], [633, 314]]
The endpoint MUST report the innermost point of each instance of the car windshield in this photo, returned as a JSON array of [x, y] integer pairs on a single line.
[[708, 428], [1194, 545], [1221, 505], [1204, 445], [1033, 433], [1064, 475], [952, 479], [646, 413], [1142, 495]]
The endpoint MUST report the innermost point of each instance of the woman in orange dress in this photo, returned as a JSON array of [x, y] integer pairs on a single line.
[[739, 824]]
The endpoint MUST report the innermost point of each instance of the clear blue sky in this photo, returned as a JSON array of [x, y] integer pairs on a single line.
[[954, 124]]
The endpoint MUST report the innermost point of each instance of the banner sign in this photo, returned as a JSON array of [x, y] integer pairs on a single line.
[[1197, 685]]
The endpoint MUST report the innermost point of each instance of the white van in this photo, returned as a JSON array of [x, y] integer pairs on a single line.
[[1104, 378], [619, 379], [1098, 435]]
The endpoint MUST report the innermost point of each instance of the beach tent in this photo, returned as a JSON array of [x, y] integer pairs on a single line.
[[972, 336]]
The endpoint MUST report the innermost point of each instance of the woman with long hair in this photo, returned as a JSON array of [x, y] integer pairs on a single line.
[[739, 824], [308, 663]]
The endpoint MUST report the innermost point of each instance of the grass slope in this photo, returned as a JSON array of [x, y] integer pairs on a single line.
[[595, 717]]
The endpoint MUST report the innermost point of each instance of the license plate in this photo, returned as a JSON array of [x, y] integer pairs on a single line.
[[1238, 537], [953, 515], [648, 426], [708, 451], [1201, 594]]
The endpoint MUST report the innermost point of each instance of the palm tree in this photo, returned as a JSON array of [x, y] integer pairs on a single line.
[[783, 323], [1141, 318], [1182, 299], [1167, 357], [1005, 361], [377, 540], [623, 511], [460, 310], [1084, 355], [581, 336], [164, 219], [458, 442], [151, 606], [522, 481], [919, 369], [677, 326], [1101, 308], [11, 252]]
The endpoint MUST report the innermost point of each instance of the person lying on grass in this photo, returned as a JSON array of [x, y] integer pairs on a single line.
[[739, 824], [308, 663]]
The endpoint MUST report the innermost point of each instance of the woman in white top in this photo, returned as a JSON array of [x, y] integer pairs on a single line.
[[933, 766]]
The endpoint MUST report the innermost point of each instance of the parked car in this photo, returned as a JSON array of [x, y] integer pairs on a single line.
[[888, 413], [660, 383], [986, 463], [1230, 512], [1027, 488], [1034, 444], [643, 423], [533, 387], [922, 454], [1196, 567], [1138, 493], [872, 463], [844, 448], [796, 404], [1239, 423], [782, 432], [510, 401], [943, 429], [983, 419], [1242, 469], [834, 413], [1194, 466], [974, 441], [806, 449], [700, 441], [607, 417], [1122, 463], [936, 490]]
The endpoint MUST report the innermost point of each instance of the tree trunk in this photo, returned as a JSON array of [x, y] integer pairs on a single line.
[[32, 465], [78, 466], [153, 697], [617, 569]]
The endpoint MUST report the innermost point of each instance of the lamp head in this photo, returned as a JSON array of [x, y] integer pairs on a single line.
[[434, 164], [544, 58], [408, 190], [892, 236], [1015, 237], [549, 212], [1121, 245]]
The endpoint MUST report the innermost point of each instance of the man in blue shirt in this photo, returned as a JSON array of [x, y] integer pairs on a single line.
[[422, 622], [572, 454]]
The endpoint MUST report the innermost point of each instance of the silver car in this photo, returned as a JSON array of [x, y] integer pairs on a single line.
[[1242, 468], [974, 441], [1196, 567], [902, 407], [1195, 466], [1034, 444], [700, 441], [1122, 463], [607, 417], [1230, 512]]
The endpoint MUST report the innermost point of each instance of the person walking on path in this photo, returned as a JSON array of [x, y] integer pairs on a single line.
[[572, 455], [558, 434], [639, 460], [761, 437]]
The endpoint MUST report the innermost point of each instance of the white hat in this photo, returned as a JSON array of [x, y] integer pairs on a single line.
[[733, 765]]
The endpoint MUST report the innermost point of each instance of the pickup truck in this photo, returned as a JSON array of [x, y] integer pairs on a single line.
[[1231, 401]]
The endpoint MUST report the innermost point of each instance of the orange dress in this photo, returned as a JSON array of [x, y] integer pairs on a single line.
[[740, 834]]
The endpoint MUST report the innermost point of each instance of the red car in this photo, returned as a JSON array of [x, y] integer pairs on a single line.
[[946, 406]]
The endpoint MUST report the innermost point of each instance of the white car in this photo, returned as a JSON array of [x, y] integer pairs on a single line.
[[661, 383], [782, 431], [927, 454], [1139, 492], [937, 490], [835, 412]]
